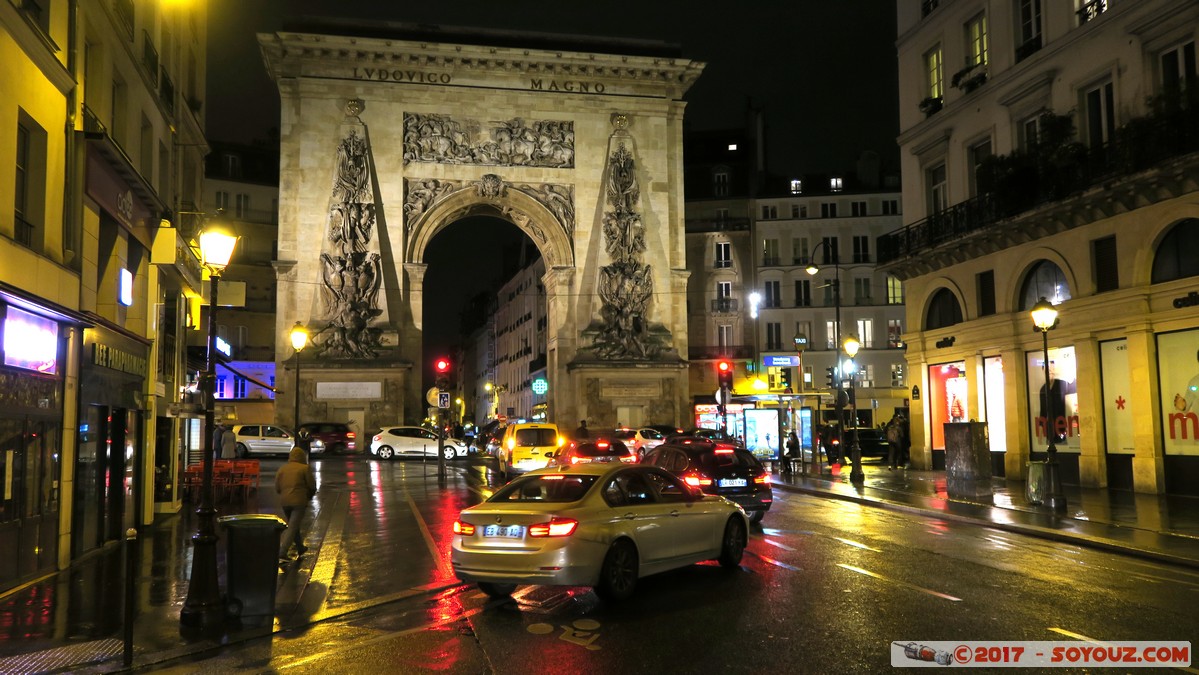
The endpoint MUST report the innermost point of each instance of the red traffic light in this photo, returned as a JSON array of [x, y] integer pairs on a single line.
[[724, 366], [441, 365]]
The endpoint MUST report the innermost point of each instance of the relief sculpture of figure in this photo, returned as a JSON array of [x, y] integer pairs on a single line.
[[350, 182]]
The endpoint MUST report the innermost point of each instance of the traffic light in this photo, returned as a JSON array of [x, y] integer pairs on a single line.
[[724, 371], [831, 374], [441, 370], [785, 377]]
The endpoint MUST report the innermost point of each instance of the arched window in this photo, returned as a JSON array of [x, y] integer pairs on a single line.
[[1044, 280], [1175, 257], [943, 310]]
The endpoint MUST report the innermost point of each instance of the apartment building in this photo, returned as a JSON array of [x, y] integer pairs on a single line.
[[1051, 150]]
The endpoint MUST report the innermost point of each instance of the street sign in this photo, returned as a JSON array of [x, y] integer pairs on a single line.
[[431, 396], [781, 361], [443, 399], [721, 396]]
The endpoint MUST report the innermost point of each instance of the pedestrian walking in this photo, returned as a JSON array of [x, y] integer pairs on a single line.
[[582, 434], [894, 442], [228, 442], [296, 486]]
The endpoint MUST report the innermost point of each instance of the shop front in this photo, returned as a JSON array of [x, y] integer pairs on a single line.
[[948, 401], [34, 349], [108, 491], [1178, 372], [1054, 404]]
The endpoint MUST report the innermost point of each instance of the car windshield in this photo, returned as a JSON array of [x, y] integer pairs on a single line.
[[601, 448], [623, 434], [553, 487], [536, 437], [725, 459]]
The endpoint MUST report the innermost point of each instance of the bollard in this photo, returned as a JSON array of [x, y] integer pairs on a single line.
[[130, 595]]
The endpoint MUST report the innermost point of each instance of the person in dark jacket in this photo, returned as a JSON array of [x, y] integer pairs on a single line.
[[296, 486]]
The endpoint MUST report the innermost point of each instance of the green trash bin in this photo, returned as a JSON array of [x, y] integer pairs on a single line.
[[252, 565]]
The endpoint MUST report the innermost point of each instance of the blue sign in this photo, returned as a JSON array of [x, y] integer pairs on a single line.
[[781, 361], [443, 399]]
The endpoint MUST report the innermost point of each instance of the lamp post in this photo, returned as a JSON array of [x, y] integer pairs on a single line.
[[299, 340], [812, 269], [1044, 317], [851, 347], [203, 609]]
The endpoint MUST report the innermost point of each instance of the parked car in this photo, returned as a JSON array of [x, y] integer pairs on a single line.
[[405, 441], [337, 437], [719, 469], [599, 525], [268, 439], [527, 446], [640, 440], [599, 451]]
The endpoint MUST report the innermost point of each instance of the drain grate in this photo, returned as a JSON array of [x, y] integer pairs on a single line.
[[59, 658]]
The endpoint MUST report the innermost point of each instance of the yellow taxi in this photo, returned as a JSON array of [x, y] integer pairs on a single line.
[[527, 446]]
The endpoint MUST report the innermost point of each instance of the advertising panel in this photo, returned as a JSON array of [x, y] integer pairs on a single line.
[[1178, 369], [993, 394], [1117, 397], [762, 433], [30, 341], [1054, 410]]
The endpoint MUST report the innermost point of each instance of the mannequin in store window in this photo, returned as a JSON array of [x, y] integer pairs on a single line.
[[1057, 405], [1187, 399]]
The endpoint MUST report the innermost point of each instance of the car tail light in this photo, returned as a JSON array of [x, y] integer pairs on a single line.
[[580, 460], [463, 528], [629, 459], [511, 443], [602, 444], [764, 479], [378, 437], [561, 441], [351, 434], [696, 480], [557, 527]]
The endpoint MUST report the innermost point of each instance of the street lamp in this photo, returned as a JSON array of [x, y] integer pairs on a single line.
[[812, 269], [1044, 317], [851, 347], [299, 340], [203, 608]]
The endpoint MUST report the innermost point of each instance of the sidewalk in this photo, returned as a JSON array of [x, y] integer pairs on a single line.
[[72, 620]]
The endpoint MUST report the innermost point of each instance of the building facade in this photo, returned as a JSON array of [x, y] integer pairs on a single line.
[[1050, 151]]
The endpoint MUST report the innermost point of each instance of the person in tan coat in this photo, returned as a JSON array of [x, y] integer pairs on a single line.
[[296, 486]]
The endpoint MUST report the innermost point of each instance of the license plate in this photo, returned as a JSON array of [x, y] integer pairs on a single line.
[[509, 531], [732, 482]]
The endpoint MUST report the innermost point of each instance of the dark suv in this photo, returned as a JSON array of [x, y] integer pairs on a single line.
[[717, 468], [337, 437]]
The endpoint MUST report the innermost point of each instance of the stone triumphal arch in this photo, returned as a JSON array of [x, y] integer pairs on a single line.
[[386, 141]]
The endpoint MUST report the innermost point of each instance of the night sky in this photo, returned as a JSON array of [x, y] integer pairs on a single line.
[[824, 71]]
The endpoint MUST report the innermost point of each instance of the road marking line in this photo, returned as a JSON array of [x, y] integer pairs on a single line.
[[443, 565], [868, 573], [1095, 641], [778, 544], [778, 563], [857, 544]]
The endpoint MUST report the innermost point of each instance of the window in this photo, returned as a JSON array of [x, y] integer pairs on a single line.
[[799, 250], [894, 291], [866, 333], [724, 255], [897, 375], [1030, 132], [243, 205], [232, 165], [803, 293], [1030, 28], [976, 41], [978, 153], [1100, 118], [828, 209], [1175, 257], [242, 337], [724, 336], [828, 292], [1044, 280], [773, 298], [722, 214], [858, 208], [720, 184], [239, 387], [29, 182], [895, 333], [724, 289], [830, 332], [795, 210], [774, 336], [986, 293], [116, 129], [222, 200], [831, 254], [220, 392], [890, 207], [861, 291], [803, 328], [1089, 11], [932, 73], [24, 229], [1177, 66], [145, 147], [770, 251], [836, 184], [943, 310], [1104, 257], [769, 212], [938, 191], [861, 249], [796, 186]]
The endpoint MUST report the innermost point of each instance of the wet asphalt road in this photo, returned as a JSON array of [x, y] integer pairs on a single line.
[[825, 586]]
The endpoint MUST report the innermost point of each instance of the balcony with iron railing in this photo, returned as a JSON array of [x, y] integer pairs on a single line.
[[724, 305], [705, 353], [698, 225], [123, 9], [770, 261], [1052, 172], [166, 91], [722, 264]]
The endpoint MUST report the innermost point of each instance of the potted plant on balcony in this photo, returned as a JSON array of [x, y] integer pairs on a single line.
[[967, 80], [931, 105]]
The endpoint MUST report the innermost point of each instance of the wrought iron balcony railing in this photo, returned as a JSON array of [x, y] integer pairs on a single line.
[[724, 305]]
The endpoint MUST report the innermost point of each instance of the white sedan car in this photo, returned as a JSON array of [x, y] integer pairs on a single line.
[[599, 525], [401, 441], [640, 440]]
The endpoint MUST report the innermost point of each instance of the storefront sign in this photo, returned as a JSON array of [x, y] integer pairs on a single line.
[[107, 356], [112, 193], [30, 341], [781, 361], [224, 347]]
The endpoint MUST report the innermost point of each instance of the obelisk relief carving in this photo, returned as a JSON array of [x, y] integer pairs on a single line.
[[626, 284], [346, 307]]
